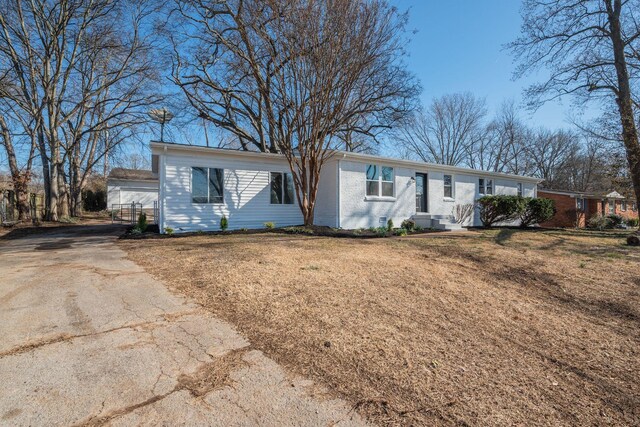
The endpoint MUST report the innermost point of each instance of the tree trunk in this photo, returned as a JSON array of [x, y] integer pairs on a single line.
[[20, 179], [63, 193], [21, 188], [625, 104], [53, 191]]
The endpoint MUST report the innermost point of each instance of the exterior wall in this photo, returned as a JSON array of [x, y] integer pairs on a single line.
[[359, 211], [566, 213], [341, 199], [628, 213], [246, 194], [120, 192], [326, 210]]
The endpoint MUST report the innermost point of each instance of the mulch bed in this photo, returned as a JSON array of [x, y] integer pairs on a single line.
[[152, 232]]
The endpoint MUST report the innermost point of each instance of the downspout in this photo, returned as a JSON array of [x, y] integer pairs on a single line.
[[338, 191], [163, 172]]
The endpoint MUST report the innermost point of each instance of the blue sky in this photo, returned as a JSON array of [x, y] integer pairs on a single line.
[[458, 47]]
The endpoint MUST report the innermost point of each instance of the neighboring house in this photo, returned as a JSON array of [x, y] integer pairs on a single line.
[[573, 208], [200, 185], [126, 186]]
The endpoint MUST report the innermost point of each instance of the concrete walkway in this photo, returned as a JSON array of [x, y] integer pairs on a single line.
[[87, 337]]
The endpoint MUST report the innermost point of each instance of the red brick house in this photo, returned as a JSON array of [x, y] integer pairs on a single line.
[[574, 208]]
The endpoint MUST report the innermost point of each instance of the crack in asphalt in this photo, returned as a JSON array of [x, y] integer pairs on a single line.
[[24, 348], [198, 384]]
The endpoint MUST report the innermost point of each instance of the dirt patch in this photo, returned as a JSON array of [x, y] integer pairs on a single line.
[[529, 328]]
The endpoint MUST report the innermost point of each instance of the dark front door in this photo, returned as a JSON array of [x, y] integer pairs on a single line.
[[422, 187]]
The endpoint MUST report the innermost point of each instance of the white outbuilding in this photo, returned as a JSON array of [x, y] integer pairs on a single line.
[[127, 186]]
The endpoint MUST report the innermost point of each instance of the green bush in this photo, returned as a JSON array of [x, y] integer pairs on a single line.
[[408, 224], [615, 220], [537, 211], [224, 223], [270, 225], [494, 209], [382, 231], [390, 225], [169, 231], [401, 232], [142, 222], [599, 222], [632, 222]]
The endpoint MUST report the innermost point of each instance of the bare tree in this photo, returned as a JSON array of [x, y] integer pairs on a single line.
[[76, 69], [503, 147], [550, 152], [295, 76], [447, 131], [592, 49]]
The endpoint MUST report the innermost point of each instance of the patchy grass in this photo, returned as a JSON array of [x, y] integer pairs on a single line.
[[494, 327]]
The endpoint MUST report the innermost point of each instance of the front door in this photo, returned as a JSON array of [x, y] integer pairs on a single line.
[[422, 187]]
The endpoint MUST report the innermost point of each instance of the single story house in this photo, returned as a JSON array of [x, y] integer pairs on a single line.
[[200, 185], [574, 208], [127, 186]]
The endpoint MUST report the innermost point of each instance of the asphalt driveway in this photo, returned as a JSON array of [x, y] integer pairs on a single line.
[[89, 337]]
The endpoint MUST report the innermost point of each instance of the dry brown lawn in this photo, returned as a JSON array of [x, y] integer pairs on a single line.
[[492, 328]]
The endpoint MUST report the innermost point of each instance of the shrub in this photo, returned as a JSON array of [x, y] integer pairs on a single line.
[[599, 222], [142, 222], [537, 211], [224, 223], [494, 209], [169, 231], [382, 231], [408, 224], [390, 225], [633, 239], [270, 225], [462, 213], [615, 220], [418, 228], [632, 222], [401, 232]]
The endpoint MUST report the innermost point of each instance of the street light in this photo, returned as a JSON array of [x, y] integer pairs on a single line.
[[161, 116]]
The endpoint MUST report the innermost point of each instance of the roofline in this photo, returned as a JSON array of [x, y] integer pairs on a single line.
[[569, 193], [345, 155], [583, 194], [134, 179]]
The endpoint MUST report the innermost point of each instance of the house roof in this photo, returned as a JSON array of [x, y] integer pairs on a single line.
[[586, 195], [132, 175], [345, 155]]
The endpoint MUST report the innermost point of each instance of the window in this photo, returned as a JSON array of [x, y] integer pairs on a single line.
[[520, 189], [485, 186], [623, 205], [380, 181], [281, 188], [207, 185], [612, 206], [448, 186], [579, 204]]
